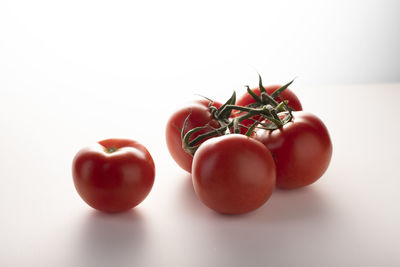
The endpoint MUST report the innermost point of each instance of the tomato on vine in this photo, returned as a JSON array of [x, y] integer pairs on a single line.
[[233, 174], [302, 149], [199, 114], [241, 150]]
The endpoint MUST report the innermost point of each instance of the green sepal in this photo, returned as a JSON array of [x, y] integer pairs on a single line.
[[260, 84], [282, 105], [267, 126], [254, 95], [278, 91], [220, 131], [184, 124], [189, 147], [236, 128], [224, 113], [251, 129], [265, 97]]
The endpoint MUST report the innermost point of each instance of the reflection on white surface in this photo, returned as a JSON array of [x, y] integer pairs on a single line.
[[107, 239]]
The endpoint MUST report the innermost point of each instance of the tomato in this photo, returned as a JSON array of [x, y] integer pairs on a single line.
[[302, 149], [233, 174], [247, 99], [200, 115], [114, 175]]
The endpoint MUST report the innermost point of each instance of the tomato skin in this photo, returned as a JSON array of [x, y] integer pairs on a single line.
[[233, 174], [113, 181], [302, 149], [200, 115]]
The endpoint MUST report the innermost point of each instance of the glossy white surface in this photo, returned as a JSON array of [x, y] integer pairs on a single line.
[[350, 217]]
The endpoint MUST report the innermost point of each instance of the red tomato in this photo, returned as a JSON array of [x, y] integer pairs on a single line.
[[247, 99], [302, 150], [200, 115], [233, 174], [114, 175]]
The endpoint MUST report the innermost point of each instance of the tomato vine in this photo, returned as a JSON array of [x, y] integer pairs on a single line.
[[271, 115]]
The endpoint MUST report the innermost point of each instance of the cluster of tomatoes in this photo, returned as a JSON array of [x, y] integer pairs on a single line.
[[238, 152]]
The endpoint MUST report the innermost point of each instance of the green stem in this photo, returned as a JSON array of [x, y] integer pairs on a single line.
[[226, 126], [257, 111], [189, 147], [218, 131], [265, 106], [236, 128], [267, 99], [278, 91]]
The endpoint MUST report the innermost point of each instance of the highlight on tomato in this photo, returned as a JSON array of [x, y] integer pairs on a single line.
[[113, 175]]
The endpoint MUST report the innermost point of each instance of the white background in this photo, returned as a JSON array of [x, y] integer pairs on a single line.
[[75, 72]]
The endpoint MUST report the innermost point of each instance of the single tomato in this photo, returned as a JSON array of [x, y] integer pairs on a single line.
[[247, 99], [113, 175], [302, 149], [233, 174], [199, 115]]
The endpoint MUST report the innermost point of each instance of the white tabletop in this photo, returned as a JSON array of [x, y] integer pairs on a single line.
[[350, 217]]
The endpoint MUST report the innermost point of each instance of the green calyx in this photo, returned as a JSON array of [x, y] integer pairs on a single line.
[[269, 113]]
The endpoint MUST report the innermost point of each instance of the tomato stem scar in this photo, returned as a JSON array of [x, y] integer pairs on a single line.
[[111, 149]]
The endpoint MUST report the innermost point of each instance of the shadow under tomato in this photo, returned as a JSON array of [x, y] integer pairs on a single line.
[[308, 203], [284, 221], [193, 205], [188, 200], [187, 194], [108, 239]]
